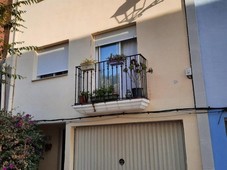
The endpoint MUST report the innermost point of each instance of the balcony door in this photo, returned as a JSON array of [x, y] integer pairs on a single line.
[[108, 75], [111, 75], [127, 47]]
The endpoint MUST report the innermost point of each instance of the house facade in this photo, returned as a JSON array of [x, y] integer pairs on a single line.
[[210, 27], [127, 118]]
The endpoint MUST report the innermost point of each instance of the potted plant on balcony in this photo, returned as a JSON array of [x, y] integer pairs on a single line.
[[98, 95], [116, 59], [83, 97], [137, 71], [88, 64], [111, 95], [103, 94]]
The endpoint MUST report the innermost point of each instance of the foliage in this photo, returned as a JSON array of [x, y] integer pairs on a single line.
[[104, 94], [21, 144], [88, 61], [137, 71], [11, 19], [6, 73], [11, 14], [84, 93], [116, 58], [102, 91]]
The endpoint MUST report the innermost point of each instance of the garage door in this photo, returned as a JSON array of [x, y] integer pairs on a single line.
[[147, 146]]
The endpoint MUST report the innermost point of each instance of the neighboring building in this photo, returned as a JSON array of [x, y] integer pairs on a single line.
[[156, 127], [211, 28]]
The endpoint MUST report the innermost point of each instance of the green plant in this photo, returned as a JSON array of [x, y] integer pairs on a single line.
[[103, 92], [22, 143], [11, 20], [116, 58], [88, 61], [84, 93], [137, 71], [110, 89], [100, 92]]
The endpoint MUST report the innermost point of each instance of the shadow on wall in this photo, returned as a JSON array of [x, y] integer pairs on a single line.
[[133, 9]]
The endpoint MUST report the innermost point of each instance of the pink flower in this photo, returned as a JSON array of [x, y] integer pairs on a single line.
[[31, 122], [11, 166], [19, 123], [27, 116]]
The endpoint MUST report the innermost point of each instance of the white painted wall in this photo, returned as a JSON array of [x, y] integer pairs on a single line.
[[162, 39]]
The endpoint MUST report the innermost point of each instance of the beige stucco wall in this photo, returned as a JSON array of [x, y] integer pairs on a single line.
[[162, 39]]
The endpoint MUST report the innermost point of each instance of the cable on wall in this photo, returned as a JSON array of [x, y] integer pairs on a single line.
[[203, 110]]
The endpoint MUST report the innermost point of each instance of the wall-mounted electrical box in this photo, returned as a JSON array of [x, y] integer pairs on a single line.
[[188, 72]]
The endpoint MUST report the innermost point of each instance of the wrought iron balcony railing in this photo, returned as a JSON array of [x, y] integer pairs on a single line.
[[111, 80]]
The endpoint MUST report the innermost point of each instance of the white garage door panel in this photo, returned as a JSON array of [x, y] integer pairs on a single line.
[[147, 146]]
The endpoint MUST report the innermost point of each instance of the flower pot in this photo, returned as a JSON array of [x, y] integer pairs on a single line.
[[105, 98], [137, 92], [83, 99], [97, 99], [115, 62], [111, 97], [86, 67]]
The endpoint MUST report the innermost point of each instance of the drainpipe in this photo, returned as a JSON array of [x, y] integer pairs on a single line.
[[14, 64]]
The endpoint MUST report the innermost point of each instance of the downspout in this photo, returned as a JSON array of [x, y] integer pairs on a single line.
[[190, 55], [14, 70], [6, 32], [9, 103]]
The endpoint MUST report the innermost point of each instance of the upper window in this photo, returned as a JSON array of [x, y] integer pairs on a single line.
[[127, 47], [121, 41], [52, 61]]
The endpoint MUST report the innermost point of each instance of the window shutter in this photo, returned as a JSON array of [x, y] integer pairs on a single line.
[[115, 36], [53, 60]]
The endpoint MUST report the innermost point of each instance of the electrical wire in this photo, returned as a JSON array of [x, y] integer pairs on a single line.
[[203, 110]]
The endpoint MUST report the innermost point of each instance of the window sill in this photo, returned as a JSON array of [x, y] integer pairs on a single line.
[[52, 77]]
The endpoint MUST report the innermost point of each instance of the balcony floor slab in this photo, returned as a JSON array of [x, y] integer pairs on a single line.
[[113, 106]]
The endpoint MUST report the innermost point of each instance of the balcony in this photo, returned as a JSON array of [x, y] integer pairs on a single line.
[[112, 86]]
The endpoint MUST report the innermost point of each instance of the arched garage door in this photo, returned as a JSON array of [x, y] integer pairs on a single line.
[[144, 146]]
